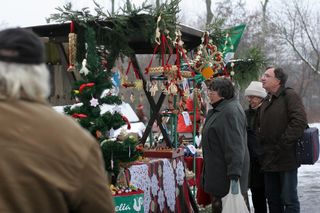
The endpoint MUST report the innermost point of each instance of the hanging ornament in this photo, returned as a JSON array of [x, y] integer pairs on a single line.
[[132, 98], [98, 134], [141, 98], [148, 86], [77, 115], [138, 84], [111, 160], [122, 97], [154, 88], [123, 79], [129, 151], [125, 119], [72, 48], [84, 70], [164, 89], [173, 89], [94, 102], [111, 133], [186, 93], [232, 71], [207, 72], [82, 86], [158, 34]]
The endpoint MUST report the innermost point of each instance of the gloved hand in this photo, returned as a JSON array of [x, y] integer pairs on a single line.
[[234, 186]]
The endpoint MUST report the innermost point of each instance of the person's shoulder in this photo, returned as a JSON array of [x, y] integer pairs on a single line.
[[64, 125], [234, 106], [291, 93], [290, 90]]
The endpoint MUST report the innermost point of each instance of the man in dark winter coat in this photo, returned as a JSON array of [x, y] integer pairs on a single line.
[[282, 121]]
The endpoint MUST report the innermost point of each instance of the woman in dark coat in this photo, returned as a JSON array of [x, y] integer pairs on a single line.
[[224, 143], [255, 94]]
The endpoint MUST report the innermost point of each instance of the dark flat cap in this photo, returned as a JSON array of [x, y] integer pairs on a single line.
[[21, 46]]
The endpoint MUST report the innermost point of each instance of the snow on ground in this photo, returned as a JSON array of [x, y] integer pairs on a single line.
[[309, 185]]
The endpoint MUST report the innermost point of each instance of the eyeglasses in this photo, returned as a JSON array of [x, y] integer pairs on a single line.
[[266, 75]]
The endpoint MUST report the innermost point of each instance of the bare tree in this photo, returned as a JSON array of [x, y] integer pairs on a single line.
[[264, 5], [299, 28]]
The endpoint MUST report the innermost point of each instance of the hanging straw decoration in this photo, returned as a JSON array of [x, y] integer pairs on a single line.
[[72, 48]]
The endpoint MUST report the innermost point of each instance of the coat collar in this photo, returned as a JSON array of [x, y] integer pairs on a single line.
[[279, 92], [223, 104]]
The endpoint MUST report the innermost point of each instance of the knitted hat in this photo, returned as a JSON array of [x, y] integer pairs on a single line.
[[255, 89], [21, 46]]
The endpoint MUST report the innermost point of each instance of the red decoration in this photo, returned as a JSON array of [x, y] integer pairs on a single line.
[[84, 86], [134, 69], [125, 119], [76, 115], [163, 46]]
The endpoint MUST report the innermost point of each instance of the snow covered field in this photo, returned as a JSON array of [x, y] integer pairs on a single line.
[[309, 185]]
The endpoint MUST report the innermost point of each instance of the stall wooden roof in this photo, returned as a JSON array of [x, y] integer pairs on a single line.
[[59, 32]]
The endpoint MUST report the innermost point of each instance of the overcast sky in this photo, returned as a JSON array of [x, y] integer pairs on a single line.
[[33, 12]]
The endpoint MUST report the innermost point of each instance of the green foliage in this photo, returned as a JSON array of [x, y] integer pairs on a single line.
[[115, 152], [248, 68], [216, 32], [169, 20], [101, 78], [115, 32]]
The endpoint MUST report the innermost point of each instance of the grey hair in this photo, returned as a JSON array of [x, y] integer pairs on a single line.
[[24, 81]]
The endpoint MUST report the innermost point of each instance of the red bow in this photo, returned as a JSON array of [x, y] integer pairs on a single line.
[[85, 85], [125, 119], [76, 115]]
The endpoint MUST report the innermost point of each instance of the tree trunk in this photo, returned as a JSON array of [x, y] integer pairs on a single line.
[[112, 7], [209, 12]]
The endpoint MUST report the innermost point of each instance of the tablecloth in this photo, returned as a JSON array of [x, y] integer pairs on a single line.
[[164, 184], [202, 197]]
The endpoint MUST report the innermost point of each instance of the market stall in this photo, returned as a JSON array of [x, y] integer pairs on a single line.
[[86, 47], [81, 54]]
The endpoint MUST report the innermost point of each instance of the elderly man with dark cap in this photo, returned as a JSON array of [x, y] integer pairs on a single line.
[[255, 94], [48, 162]]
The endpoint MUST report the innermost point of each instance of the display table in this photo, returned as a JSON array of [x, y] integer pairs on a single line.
[[164, 184], [202, 197]]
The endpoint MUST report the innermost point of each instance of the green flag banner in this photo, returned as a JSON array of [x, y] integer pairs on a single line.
[[231, 41]]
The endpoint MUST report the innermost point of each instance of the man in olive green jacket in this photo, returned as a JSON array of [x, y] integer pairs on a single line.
[[48, 163]]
